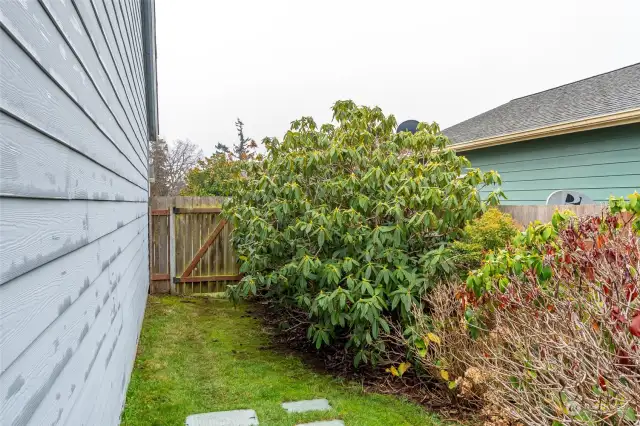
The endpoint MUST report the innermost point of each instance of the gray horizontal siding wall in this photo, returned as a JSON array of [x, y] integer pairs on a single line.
[[597, 163], [73, 208]]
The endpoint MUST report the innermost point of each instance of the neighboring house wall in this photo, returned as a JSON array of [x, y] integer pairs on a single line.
[[597, 163], [73, 208]]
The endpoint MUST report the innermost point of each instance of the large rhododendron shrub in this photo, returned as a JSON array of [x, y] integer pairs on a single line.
[[348, 222]]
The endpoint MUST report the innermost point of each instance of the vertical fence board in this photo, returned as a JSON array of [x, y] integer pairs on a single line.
[[172, 246], [163, 239], [204, 262], [182, 243], [159, 246], [185, 240], [527, 214], [190, 230], [152, 250], [210, 255]]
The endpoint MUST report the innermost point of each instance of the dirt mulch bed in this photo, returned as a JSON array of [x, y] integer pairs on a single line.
[[288, 330]]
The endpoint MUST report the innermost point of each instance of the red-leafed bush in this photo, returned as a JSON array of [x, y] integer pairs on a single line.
[[546, 331]]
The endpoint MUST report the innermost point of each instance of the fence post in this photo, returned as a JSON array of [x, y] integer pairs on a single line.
[[172, 247]]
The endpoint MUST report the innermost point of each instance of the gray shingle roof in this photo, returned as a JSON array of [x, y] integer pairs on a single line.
[[607, 93]]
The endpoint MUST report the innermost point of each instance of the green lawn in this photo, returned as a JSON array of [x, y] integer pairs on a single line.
[[206, 355]]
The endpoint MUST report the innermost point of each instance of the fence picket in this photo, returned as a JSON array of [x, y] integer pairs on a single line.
[[176, 238], [190, 229], [527, 214]]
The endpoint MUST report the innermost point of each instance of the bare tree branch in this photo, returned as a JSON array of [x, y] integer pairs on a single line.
[[171, 165]]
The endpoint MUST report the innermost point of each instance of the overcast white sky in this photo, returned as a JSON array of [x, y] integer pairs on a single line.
[[270, 62]]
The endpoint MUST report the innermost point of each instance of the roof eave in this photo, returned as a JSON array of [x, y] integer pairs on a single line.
[[592, 123], [148, 13]]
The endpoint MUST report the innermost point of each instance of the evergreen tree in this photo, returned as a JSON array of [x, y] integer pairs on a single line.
[[244, 150]]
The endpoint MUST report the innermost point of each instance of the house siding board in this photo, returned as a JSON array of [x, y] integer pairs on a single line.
[[33, 301], [102, 40], [28, 241], [598, 163], [32, 28], [118, 368], [109, 26], [73, 32], [30, 95], [35, 166], [117, 19], [91, 357], [126, 28], [94, 47], [136, 20], [68, 331], [73, 209]]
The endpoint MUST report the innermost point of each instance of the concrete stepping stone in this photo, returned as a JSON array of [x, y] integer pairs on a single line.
[[324, 423], [309, 405], [224, 418]]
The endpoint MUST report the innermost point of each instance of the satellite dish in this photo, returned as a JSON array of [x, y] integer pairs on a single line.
[[568, 198], [408, 126]]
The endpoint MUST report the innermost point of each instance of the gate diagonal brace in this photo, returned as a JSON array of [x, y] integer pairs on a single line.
[[194, 262]]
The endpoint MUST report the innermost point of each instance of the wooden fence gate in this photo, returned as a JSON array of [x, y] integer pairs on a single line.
[[191, 248]]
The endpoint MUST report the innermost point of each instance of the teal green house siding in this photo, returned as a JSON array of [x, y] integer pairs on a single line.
[[598, 163]]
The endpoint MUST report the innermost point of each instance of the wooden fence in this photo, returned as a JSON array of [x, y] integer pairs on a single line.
[[527, 214], [190, 246]]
